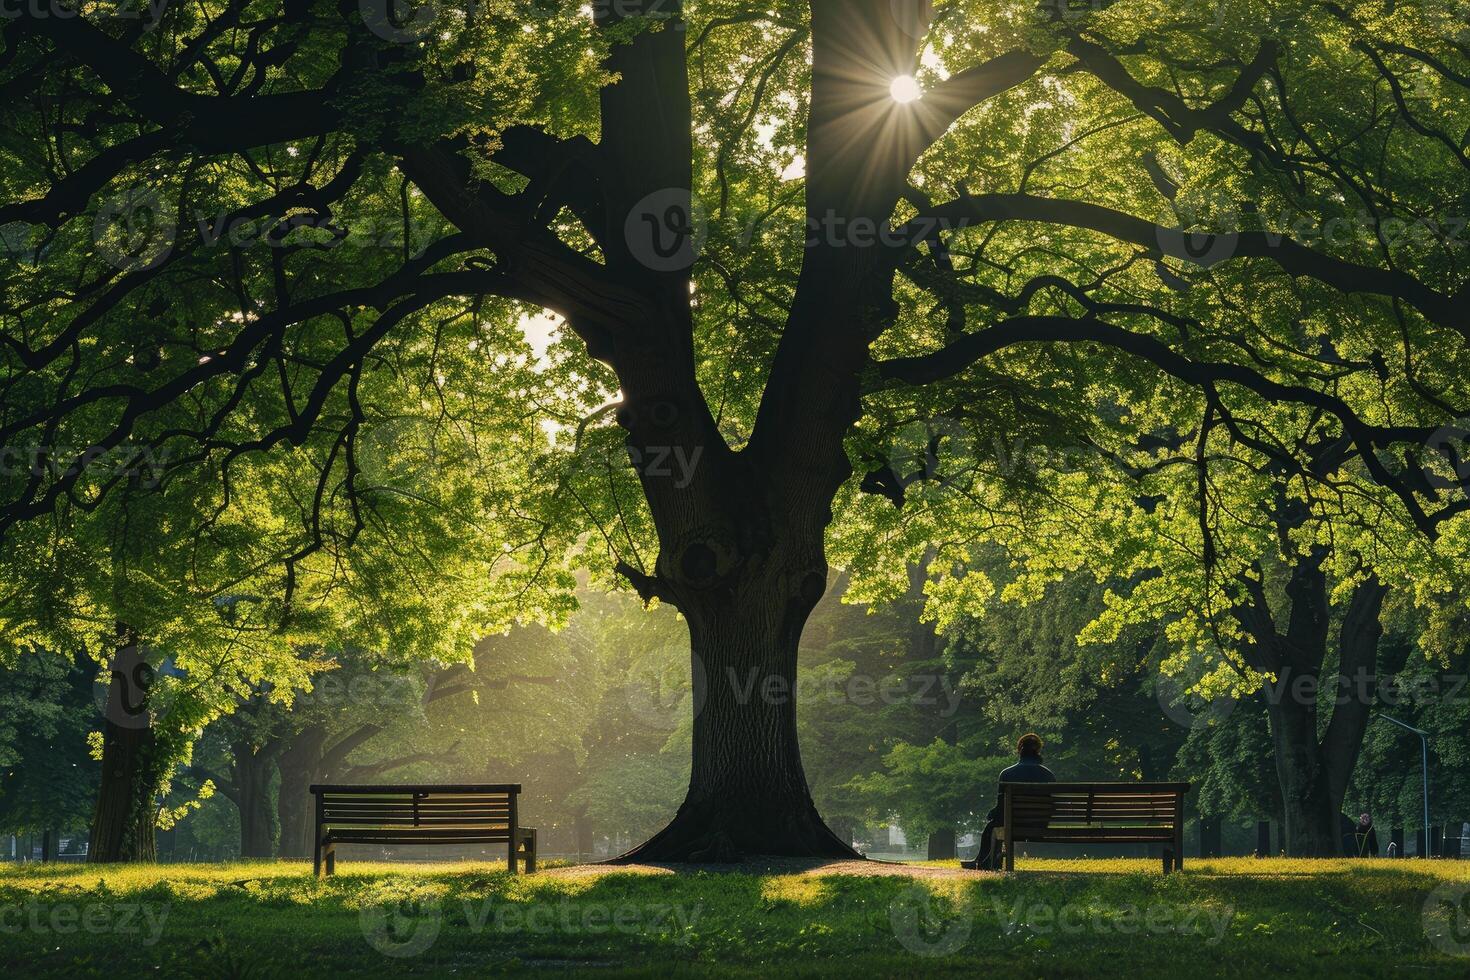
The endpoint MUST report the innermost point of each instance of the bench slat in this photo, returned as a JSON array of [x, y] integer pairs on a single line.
[[439, 790], [1093, 813], [470, 813]]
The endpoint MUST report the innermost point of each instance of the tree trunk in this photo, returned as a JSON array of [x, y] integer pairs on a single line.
[[123, 822], [582, 831], [253, 800], [747, 792], [942, 845], [1309, 812], [299, 766], [1209, 837], [1312, 769]]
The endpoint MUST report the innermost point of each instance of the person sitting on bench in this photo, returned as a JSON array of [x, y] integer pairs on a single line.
[[1028, 770]]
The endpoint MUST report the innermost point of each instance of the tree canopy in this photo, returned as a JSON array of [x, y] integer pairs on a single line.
[[273, 272]]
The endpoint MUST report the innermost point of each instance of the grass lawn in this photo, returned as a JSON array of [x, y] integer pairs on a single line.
[[1053, 918]]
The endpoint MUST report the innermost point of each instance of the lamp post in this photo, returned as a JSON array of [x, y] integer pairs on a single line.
[[1424, 747]]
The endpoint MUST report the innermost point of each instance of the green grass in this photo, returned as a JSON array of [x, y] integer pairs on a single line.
[[1054, 918]]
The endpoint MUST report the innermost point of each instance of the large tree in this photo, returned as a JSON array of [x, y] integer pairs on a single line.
[[1015, 248]]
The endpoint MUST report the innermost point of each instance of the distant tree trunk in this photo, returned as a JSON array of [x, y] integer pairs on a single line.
[[942, 845], [299, 765], [1309, 814], [1313, 770], [582, 831], [252, 777], [123, 823], [1263, 839], [1209, 837]]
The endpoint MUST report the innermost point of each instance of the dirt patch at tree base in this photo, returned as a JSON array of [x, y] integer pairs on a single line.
[[771, 866]]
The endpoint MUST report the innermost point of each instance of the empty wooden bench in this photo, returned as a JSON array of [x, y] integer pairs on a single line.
[[474, 814], [1093, 813]]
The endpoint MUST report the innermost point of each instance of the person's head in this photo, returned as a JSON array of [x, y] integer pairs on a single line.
[[1029, 747], [1364, 820]]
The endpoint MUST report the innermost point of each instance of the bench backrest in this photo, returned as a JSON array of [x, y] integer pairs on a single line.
[[426, 807], [1043, 806]]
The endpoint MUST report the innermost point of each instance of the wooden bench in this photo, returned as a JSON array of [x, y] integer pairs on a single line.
[[474, 814], [1093, 813]]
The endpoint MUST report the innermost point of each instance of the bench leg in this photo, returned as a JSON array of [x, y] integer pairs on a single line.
[[1168, 860], [316, 859], [528, 850], [331, 859]]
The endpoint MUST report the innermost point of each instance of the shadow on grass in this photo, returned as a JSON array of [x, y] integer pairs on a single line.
[[266, 919]]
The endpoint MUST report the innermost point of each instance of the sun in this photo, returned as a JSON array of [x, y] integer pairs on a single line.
[[905, 89]]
